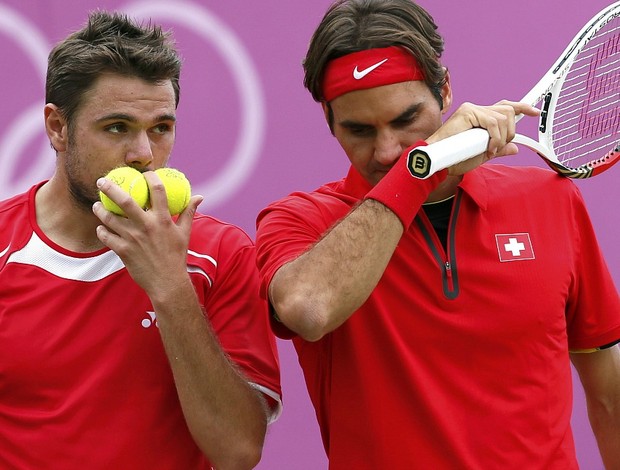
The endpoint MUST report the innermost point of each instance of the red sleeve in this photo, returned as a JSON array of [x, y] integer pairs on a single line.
[[238, 315], [593, 309], [288, 228]]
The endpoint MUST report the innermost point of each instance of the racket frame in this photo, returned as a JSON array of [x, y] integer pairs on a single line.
[[423, 161]]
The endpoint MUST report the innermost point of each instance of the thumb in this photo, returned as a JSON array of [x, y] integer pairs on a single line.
[[186, 217]]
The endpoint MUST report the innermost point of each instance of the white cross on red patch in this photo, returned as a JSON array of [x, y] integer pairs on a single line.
[[514, 246]]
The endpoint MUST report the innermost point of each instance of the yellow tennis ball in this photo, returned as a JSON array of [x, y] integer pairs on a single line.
[[132, 182], [178, 189]]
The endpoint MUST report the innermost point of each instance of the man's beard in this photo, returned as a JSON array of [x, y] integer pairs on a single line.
[[83, 195]]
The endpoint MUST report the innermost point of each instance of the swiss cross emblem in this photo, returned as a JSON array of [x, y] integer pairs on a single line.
[[514, 246]]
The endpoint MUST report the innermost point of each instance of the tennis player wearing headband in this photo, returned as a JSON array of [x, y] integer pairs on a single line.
[[434, 319]]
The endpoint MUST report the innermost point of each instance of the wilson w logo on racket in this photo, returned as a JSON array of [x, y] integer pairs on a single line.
[[579, 99]]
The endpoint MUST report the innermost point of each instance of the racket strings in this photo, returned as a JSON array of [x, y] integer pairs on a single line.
[[586, 118], [573, 91]]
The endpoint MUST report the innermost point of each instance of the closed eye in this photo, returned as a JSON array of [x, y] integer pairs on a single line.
[[407, 118], [357, 129], [403, 123]]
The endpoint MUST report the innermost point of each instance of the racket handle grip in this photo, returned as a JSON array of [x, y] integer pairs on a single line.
[[426, 160]]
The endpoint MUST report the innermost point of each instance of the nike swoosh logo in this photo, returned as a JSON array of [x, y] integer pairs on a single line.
[[359, 74]]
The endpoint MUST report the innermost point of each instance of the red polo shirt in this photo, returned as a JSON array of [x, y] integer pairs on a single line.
[[459, 358]]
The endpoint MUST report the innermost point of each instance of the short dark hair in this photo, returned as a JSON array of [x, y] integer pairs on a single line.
[[355, 25], [108, 43]]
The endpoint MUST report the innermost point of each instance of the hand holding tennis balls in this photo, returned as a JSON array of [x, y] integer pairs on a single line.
[[132, 181], [178, 189]]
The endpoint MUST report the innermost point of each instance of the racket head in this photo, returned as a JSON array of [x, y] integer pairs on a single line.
[[579, 98]]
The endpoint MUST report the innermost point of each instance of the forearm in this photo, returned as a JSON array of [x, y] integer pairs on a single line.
[[600, 376], [225, 415], [605, 422], [604, 415], [319, 290]]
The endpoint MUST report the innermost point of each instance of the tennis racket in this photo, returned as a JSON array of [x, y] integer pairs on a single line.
[[579, 99]]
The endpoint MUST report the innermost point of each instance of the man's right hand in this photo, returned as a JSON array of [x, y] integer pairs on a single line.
[[499, 122]]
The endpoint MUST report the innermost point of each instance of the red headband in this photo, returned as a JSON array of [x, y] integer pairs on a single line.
[[368, 69]]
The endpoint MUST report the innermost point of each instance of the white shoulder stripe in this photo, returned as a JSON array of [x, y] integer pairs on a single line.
[[91, 269], [197, 270], [200, 255], [3, 252]]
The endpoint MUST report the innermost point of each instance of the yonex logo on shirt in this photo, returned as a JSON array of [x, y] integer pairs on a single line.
[[147, 322], [514, 247]]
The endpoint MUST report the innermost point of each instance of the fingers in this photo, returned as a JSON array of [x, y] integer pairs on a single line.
[[521, 108], [499, 120], [136, 218], [191, 208], [158, 202], [157, 198], [510, 112], [119, 196]]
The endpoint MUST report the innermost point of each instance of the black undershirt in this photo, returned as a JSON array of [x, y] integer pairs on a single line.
[[439, 215]]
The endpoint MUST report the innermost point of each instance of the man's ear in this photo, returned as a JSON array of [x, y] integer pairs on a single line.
[[325, 107], [446, 94], [329, 116], [56, 127]]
